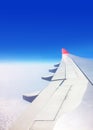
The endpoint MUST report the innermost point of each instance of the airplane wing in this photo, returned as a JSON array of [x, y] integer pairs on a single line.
[[64, 99]]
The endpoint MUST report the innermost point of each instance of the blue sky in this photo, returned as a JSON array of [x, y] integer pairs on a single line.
[[37, 30]]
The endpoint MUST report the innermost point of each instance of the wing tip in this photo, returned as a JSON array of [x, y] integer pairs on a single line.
[[64, 51]]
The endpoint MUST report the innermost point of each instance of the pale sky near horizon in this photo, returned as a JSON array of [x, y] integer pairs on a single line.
[[17, 79]]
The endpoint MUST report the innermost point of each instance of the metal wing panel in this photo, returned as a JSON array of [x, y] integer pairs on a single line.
[[53, 106], [66, 98], [25, 121], [61, 72], [85, 65], [80, 118], [64, 93]]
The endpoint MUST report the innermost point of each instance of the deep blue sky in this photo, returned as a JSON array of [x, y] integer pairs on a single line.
[[37, 30]]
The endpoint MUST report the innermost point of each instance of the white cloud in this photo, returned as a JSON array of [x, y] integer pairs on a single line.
[[17, 79]]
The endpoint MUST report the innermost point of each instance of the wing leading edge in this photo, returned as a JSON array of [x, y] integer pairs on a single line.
[[64, 94]]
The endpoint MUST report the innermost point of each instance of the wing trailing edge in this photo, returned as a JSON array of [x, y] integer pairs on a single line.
[[57, 65], [30, 97], [47, 78], [53, 70]]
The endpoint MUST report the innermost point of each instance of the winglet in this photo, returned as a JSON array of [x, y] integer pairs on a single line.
[[64, 51]]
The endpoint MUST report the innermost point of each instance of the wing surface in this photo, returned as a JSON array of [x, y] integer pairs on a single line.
[[63, 94], [80, 118]]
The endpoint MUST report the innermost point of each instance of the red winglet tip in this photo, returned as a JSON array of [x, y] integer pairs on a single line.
[[64, 51]]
